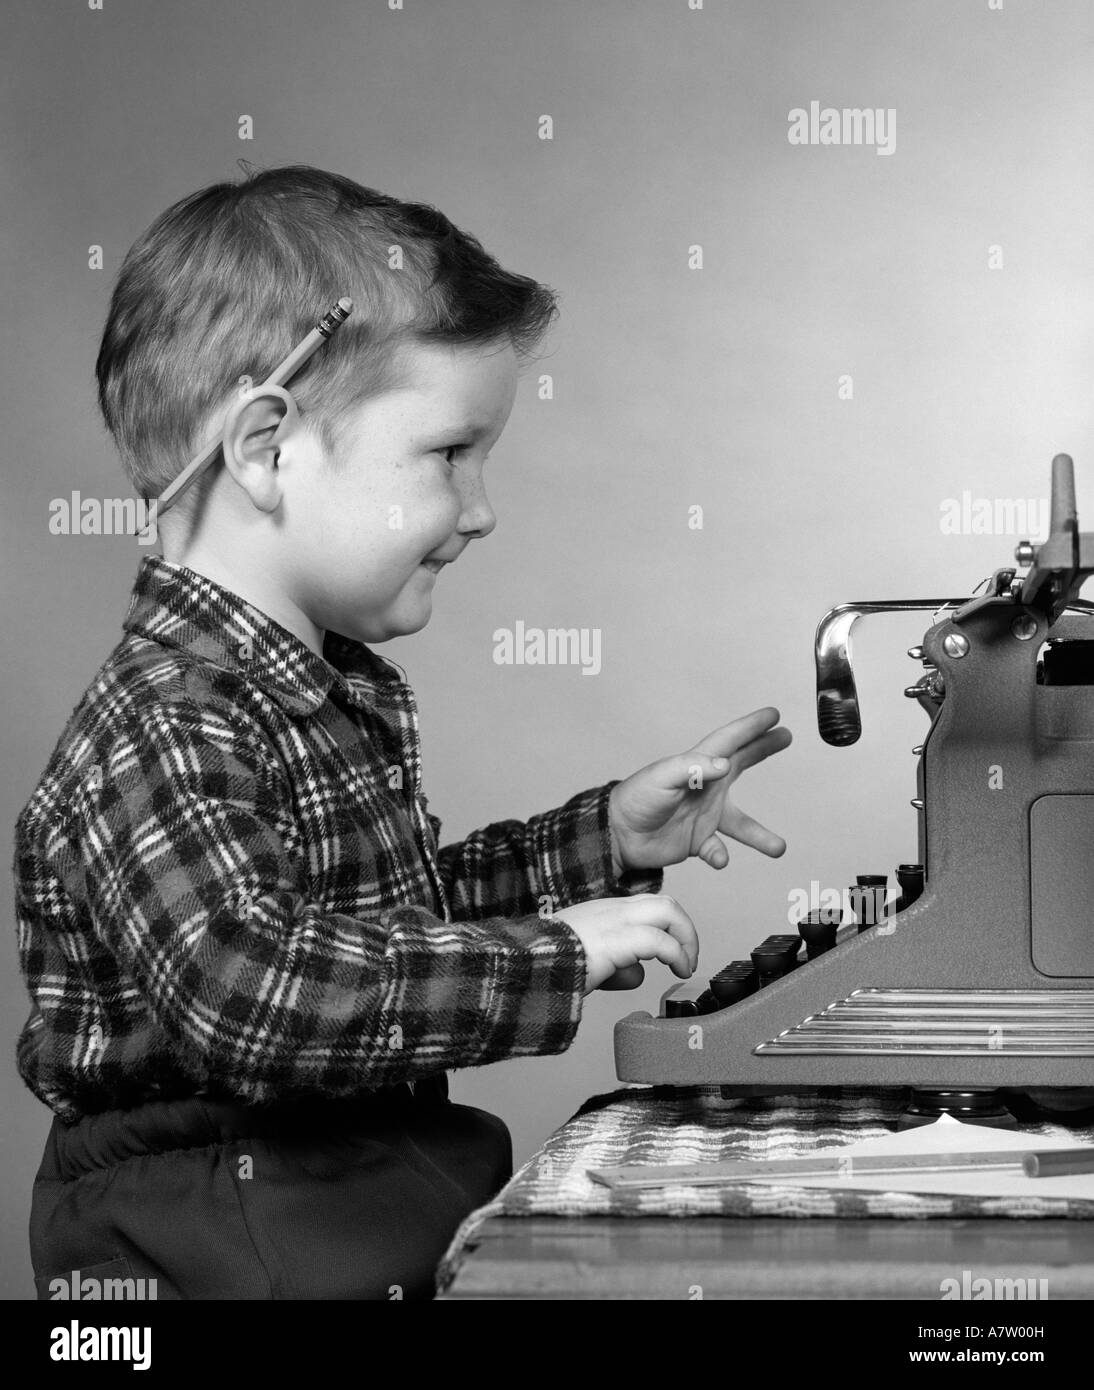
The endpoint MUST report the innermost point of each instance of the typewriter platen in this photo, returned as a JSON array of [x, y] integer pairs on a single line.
[[979, 978]]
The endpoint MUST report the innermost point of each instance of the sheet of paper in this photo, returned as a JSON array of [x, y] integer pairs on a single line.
[[951, 1136]]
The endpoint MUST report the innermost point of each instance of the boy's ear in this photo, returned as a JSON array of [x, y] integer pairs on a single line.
[[256, 427]]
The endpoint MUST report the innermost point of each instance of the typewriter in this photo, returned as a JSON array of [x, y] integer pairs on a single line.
[[973, 985]]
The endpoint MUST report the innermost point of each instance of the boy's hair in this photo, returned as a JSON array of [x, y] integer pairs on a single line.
[[228, 280]]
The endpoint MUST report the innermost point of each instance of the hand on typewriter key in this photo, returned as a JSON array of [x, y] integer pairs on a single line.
[[619, 933]]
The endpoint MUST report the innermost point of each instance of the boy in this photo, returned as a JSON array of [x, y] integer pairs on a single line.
[[249, 962]]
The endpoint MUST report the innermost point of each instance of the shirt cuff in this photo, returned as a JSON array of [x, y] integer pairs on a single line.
[[533, 1004], [574, 854]]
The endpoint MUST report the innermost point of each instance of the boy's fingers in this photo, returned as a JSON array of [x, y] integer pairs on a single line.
[[774, 741], [730, 738], [682, 768], [745, 742], [713, 852], [747, 831], [628, 977], [665, 915], [660, 945]]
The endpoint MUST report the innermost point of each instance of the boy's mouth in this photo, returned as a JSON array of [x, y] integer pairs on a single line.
[[434, 566]]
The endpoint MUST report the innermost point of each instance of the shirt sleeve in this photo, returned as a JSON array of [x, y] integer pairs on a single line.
[[551, 861], [186, 853]]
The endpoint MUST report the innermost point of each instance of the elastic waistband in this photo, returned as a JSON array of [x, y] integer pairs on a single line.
[[103, 1140]]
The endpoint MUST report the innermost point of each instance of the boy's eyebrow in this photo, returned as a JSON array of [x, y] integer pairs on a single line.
[[473, 428]]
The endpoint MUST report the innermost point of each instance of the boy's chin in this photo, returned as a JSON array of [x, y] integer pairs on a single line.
[[402, 623]]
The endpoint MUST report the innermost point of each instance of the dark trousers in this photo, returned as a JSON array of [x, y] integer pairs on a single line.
[[325, 1200]]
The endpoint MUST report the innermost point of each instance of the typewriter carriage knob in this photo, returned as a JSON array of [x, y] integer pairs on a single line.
[[838, 717]]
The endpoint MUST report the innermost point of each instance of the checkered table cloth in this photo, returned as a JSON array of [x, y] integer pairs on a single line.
[[696, 1126]]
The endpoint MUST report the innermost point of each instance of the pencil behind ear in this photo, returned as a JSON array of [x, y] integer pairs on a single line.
[[242, 419], [255, 426]]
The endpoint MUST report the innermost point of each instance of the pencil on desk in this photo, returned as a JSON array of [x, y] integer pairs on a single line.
[[1055, 1163], [1041, 1163]]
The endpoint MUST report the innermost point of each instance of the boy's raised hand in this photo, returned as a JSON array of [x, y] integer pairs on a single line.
[[677, 807], [619, 933]]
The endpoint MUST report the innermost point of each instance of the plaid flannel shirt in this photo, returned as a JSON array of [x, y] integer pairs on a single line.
[[228, 881]]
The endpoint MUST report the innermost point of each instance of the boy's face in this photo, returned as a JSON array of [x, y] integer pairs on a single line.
[[371, 532]]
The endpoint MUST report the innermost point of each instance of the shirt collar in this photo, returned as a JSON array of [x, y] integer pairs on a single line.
[[177, 607]]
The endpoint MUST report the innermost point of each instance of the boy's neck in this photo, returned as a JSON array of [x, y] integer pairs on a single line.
[[251, 586]]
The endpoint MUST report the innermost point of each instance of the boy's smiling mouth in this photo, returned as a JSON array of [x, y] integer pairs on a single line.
[[434, 566]]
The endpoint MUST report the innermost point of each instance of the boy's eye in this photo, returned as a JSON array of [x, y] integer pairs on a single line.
[[451, 452]]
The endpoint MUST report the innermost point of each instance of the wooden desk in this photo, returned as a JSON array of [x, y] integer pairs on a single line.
[[669, 1257]]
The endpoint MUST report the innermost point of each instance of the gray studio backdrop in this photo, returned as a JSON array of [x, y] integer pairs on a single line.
[[851, 354]]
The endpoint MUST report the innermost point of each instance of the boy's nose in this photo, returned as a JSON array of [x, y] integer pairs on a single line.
[[477, 517]]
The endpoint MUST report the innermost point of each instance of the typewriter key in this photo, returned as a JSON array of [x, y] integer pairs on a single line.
[[735, 981], [818, 931], [687, 999], [910, 878], [868, 899], [775, 956]]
